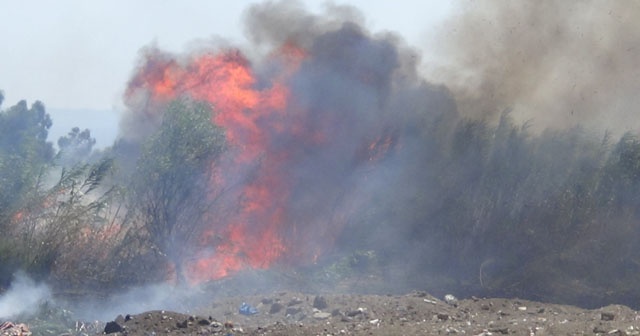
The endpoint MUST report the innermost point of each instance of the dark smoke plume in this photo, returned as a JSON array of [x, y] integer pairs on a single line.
[[353, 126], [558, 63]]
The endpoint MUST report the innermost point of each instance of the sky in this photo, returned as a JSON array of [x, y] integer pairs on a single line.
[[76, 55]]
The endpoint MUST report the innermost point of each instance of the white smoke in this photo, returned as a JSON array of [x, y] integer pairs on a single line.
[[23, 297]]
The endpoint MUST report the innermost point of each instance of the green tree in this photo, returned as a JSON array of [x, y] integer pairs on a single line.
[[171, 189], [24, 153]]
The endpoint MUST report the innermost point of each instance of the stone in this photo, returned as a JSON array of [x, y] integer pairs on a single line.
[[319, 302], [275, 308], [112, 327], [606, 316]]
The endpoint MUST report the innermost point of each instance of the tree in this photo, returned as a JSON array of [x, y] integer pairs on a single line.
[[24, 153], [171, 183], [75, 146]]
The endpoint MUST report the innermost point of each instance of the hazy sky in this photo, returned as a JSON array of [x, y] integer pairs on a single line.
[[78, 54]]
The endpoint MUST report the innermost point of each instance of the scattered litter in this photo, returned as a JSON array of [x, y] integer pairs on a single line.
[[321, 315], [246, 309], [450, 299], [9, 328]]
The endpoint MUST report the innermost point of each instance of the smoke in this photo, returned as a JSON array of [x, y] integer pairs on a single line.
[[321, 115], [160, 296], [24, 296], [556, 63]]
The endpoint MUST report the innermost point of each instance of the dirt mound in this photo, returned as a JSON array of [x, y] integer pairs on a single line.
[[418, 313]]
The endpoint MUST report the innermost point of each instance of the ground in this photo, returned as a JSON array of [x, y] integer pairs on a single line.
[[276, 302], [417, 313]]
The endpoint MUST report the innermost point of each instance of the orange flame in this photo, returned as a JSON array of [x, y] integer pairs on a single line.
[[253, 238]]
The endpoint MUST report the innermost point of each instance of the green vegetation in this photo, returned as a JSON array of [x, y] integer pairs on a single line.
[[498, 208], [506, 212], [170, 187]]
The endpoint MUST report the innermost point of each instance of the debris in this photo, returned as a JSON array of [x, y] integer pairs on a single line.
[[246, 309], [9, 328], [321, 315], [356, 312], [450, 299]]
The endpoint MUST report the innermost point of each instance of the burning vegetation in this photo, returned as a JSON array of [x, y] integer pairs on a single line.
[[325, 141]]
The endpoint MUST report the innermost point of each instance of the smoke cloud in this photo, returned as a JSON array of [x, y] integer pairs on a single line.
[[24, 296], [558, 64], [323, 110]]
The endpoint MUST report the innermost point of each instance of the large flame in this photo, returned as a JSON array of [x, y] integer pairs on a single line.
[[250, 114]]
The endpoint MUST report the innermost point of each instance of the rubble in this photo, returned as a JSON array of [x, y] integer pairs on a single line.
[[11, 329]]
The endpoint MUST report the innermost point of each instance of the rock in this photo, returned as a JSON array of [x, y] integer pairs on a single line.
[[320, 302], [599, 330], [182, 325], [112, 327], [606, 316], [442, 316]]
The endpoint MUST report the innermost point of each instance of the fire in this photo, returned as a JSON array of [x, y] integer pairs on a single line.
[[252, 238], [269, 132]]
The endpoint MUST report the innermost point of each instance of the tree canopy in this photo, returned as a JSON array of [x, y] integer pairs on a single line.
[[171, 182], [24, 152]]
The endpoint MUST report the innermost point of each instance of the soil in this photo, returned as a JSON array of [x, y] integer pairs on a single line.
[[417, 313]]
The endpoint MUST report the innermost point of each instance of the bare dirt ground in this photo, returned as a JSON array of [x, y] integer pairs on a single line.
[[417, 313], [281, 303]]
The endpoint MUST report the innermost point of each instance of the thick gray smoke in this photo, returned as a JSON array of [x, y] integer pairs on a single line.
[[354, 123], [558, 63]]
